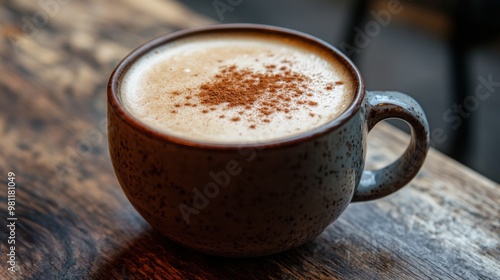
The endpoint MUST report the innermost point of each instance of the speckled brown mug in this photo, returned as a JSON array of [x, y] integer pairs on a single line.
[[245, 200]]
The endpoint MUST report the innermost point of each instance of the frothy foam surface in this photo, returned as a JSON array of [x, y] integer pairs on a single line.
[[236, 88]]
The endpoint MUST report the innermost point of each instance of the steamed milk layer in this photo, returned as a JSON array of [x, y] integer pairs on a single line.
[[167, 88]]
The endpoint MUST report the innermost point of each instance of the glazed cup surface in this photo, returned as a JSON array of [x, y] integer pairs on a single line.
[[247, 200]]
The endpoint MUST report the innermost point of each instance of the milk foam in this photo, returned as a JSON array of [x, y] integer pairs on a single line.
[[161, 88]]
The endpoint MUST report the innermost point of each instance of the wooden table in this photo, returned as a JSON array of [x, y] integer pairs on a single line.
[[73, 221]]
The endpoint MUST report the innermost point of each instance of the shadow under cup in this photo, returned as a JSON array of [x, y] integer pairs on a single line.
[[245, 200]]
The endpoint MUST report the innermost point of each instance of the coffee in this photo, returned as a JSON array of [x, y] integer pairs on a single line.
[[236, 88], [226, 192]]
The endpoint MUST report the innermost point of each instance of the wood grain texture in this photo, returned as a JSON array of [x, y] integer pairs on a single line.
[[75, 223]]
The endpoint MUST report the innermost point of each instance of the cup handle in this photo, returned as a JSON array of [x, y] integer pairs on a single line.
[[381, 105]]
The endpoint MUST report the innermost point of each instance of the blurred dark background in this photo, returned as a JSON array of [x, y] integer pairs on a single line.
[[446, 54]]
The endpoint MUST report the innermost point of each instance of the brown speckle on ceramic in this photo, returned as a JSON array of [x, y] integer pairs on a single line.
[[253, 200]]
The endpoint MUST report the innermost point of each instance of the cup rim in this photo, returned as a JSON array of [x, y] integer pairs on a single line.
[[116, 105]]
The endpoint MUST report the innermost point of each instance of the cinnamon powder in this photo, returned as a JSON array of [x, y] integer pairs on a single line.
[[267, 92], [276, 89]]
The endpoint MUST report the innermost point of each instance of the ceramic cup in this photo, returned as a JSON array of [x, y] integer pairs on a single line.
[[258, 199]]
